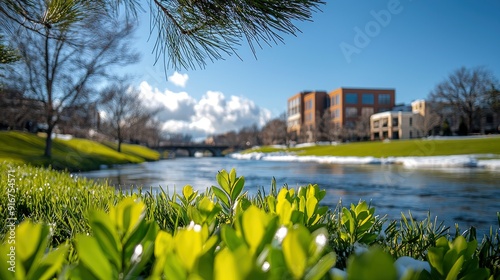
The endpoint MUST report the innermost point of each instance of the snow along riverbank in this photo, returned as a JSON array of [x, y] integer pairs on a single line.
[[410, 162]]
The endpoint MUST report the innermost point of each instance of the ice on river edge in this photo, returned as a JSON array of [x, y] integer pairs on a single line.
[[410, 162]]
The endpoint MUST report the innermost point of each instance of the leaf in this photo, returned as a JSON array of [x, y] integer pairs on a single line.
[[188, 246], [174, 268], [92, 257], [227, 266], [361, 207], [322, 267], [295, 248], [208, 210], [311, 205], [271, 202], [252, 223], [49, 264], [435, 256], [163, 244], [374, 264], [106, 236], [31, 242], [223, 181], [321, 194], [188, 193], [126, 215], [230, 238], [221, 195], [139, 260], [455, 269], [238, 187], [284, 210], [232, 176]]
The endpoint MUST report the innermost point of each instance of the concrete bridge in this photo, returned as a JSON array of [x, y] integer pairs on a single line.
[[215, 150]]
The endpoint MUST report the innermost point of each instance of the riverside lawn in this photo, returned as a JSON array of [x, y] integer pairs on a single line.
[[224, 233], [74, 155], [396, 148]]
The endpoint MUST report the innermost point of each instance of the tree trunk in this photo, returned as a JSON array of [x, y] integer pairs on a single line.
[[48, 142], [119, 145]]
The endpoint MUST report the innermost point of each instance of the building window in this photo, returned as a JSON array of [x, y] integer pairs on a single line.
[[309, 104], [335, 100], [368, 99], [351, 112], [294, 106], [376, 124], [395, 135], [411, 121], [384, 98], [395, 121], [351, 98], [384, 122], [366, 111], [411, 134]]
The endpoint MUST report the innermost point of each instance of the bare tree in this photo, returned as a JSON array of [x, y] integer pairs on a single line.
[[249, 136], [125, 117], [274, 131], [465, 90], [61, 64], [425, 124], [362, 127]]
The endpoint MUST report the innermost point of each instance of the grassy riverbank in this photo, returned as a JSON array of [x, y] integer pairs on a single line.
[[75, 154], [397, 148], [282, 233]]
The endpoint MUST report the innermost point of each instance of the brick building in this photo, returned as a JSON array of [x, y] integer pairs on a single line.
[[344, 107]]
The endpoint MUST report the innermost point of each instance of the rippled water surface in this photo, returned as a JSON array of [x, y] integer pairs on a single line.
[[467, 196]]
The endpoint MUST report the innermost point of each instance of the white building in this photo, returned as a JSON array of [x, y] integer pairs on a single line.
[[394, 125]]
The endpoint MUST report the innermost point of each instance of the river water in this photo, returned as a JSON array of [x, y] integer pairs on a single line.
[[467, 196]]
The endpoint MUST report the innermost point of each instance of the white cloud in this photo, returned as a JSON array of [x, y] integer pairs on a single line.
[[214, 113], [178, 79]]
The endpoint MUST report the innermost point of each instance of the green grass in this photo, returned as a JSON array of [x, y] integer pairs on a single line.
[[74, 155], [136, 150], [399, 148]]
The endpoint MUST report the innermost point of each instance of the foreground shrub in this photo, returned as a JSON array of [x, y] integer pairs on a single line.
[[221, 234]]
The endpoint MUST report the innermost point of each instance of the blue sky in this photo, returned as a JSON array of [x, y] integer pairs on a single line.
[[421, 43]]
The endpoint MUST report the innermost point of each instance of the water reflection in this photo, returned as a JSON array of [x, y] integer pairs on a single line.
[[466, 196]]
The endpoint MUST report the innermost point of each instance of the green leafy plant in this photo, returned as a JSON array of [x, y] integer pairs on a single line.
[[299, 206], [188, 253], [455, 260], [488, 251], [27, 257], [350, 227], [229, 190], [89, 231], [121, 244], [358, 224], [373, 264]]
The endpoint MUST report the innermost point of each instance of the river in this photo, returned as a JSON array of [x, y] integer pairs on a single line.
[[467, 196]]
